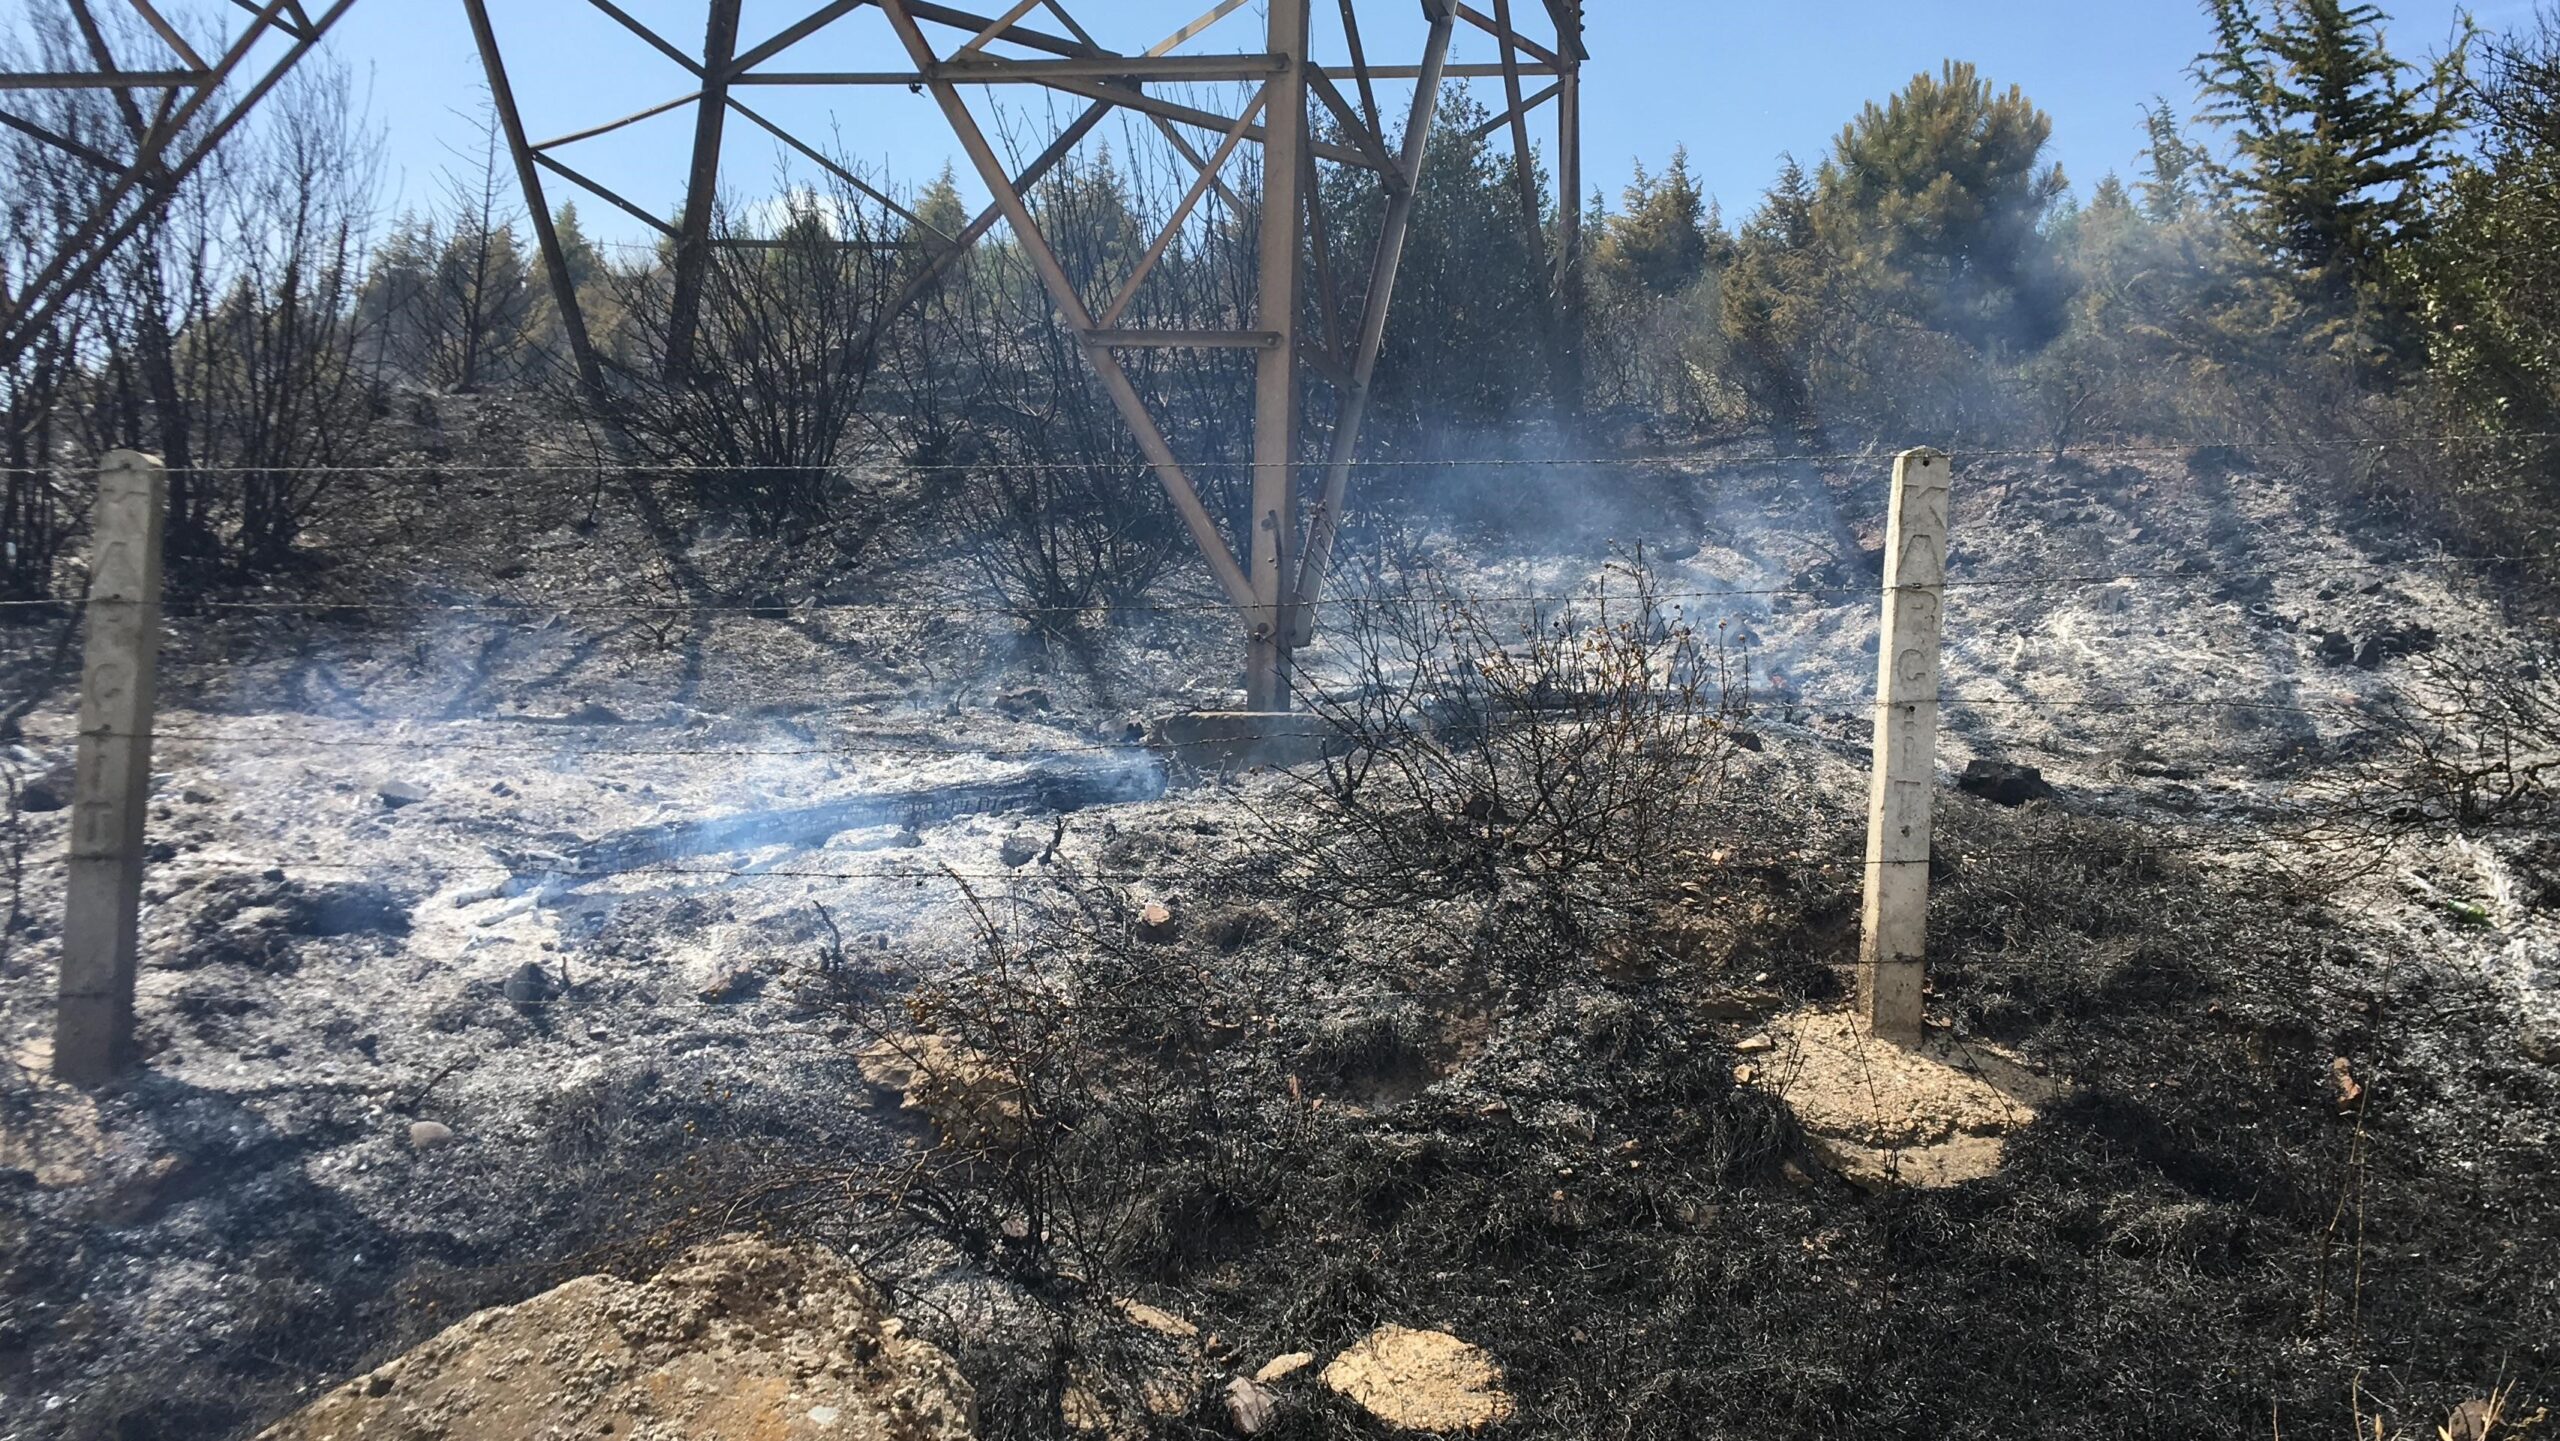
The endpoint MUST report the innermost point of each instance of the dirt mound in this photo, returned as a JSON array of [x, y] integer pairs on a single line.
[[1421, 1381], [740, 1341], [1883, 1115]]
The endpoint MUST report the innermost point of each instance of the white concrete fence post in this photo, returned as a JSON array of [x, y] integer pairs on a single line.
[[1892, 951], [102, 905]]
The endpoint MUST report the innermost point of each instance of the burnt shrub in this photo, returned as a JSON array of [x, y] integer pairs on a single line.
[[1532, 779]]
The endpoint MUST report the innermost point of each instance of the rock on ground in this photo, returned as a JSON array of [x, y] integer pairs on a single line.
[[2004, 783], [739, 1341], [1421, 1381], [969, 1095], [1280, 1368], [1250, 1409]]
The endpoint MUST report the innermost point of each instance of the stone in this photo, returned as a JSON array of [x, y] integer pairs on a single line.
[[395, 794], [1250, 1409], [2476, 1419], [1759, 1045], [1421, 1381], [2393, 643], [49, 789], [1154, 1318], [1018, 851], [1156, 924], [966, 1093], [740, 1340], [428, 1135], [1028, 701], [1084, 1412], [716, 981], [2004, 783], [527, 987], [1281, 1367], [133, 1194]]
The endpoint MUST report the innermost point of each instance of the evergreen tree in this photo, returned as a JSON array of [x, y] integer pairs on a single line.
[[1774, 297], [2172, 167], [2334, 145], [1659, 242], [578, 254], [483, 312], [1088, 210], [1474, 295], [2490, 275], [391, 307], [939, 205], [1935, 200], [600, 300], [1720, 241]]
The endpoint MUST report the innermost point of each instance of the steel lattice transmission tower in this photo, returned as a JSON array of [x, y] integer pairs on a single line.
[[1310, 61]]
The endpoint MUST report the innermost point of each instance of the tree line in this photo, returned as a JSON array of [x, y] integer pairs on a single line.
[[2325, 238], [2329, 240]]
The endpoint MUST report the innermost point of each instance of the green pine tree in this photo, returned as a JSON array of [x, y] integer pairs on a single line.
[[1774, 298], [2172, 166], [578, 254], [1659, 242], [1936, 200], [939, 205], [2490, 276], [2334, 143]]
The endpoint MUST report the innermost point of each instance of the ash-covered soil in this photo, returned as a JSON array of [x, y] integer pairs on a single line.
[[429, 1026]]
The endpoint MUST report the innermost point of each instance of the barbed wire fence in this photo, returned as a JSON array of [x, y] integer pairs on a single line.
[[2251, 834]]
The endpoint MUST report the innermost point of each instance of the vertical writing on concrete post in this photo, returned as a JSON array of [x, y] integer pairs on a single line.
[[102, 907], [1891, 954]]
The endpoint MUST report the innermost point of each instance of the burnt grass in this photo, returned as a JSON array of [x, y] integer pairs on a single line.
[[2200, 1241], [1297, 1135]]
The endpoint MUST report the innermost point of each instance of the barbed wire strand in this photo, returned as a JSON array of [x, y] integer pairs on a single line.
[[1317, 729], [1841, 595], [538, 874], [1957, 449]]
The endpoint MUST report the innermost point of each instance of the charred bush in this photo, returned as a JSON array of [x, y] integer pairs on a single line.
[[223, 335], [2472, 749], [1073, 1074], [240, 352], [1548, 773], [1059, 510], [774, 375]]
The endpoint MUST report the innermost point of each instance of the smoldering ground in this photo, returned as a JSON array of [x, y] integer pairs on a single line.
[[2166, 1251]]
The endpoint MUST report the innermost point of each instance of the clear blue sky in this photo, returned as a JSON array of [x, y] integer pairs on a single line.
[[1737, 84]]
